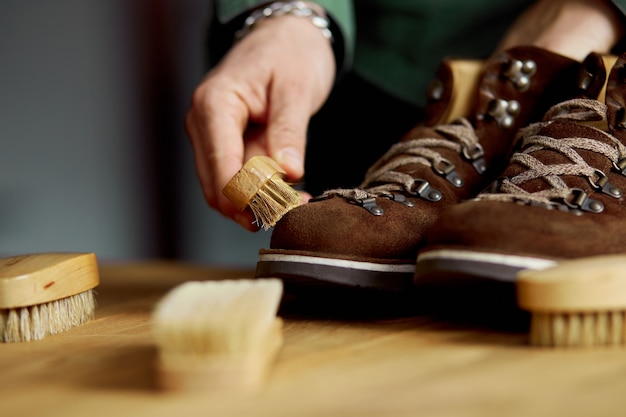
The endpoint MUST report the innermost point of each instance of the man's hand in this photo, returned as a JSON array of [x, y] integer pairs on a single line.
[[259, 100]]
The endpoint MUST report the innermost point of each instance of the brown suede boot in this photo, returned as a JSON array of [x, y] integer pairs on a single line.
[[369, 237], [560, 197]]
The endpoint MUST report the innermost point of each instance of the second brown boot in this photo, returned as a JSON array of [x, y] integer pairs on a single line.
[[560, 197]]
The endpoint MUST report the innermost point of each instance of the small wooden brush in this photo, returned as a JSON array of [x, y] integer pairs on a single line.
[[214, 335], [576, 303], [46, 293], [260, 185]]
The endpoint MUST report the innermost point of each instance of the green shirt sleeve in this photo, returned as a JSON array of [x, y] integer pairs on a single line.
[[400, 42]]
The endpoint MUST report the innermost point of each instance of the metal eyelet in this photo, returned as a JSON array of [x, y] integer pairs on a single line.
[[520, 72], [475, 156], [370, 205], [448, 171], [601, 182], [578, 199], [496, 185], [584, 79], [547, 205], [320, 197], [399, 198], [436, 90], [423, 189], [620, 166], [503, 112]]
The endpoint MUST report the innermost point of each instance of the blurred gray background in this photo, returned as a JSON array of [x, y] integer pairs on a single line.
[[93, 153]]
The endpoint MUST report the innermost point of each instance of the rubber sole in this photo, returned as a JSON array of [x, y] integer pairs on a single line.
[[453, 264], [303, 270]]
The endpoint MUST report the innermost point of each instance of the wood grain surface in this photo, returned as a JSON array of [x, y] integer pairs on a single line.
[[343, 356]]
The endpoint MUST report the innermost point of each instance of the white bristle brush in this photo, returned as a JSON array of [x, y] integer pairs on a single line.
[[217, 334], [46, 293], [260, 185], [576, 303]]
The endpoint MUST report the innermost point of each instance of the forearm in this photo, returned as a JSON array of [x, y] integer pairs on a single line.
[[572, 28]]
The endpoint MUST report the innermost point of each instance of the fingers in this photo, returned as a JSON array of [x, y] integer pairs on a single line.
[[295, 96], [288, 121], [258, 101], [214, 125]]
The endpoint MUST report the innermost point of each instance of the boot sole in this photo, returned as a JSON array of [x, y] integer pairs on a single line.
[[304, 270], [437, 266]]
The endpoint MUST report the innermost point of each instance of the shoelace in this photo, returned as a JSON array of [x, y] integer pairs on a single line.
[[384, 180], [559, 194]]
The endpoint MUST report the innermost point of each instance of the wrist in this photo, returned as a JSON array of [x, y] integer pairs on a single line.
[[311, 11]]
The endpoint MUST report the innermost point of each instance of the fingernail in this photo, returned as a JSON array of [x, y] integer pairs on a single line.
[[290, 157]]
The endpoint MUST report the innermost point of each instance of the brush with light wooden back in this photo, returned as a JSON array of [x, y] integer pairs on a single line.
[[215, 335], [576, 303], [260, 185], [46, 293]]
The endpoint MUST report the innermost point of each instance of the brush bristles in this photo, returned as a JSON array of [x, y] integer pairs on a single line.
[[217, 333], [273, 201], [578, 329], [35, 322], [216, 317]]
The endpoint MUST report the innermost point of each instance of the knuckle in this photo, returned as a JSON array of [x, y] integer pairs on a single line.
[[200, 99]]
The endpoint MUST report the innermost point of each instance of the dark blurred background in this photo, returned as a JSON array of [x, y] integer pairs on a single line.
[[93, 153]]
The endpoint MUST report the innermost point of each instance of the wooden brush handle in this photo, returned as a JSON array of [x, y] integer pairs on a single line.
[[27, 280], [250, 179], [582, 285]]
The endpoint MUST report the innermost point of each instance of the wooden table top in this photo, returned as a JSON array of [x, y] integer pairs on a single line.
[[337, 360]]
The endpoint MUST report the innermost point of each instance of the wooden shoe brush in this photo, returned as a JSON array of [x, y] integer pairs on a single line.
[[214, 335], [46, 293], [260, 185], [576, 303]]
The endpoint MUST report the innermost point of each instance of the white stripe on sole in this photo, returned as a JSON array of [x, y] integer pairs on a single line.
[[524, 262], [338, 263]]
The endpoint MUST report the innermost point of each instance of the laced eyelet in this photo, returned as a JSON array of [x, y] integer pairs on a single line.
[[475, 156], [620, 166], [601, 182], [578, 199], [422, 189], [399, 198], [370, 205], [448, 171], [320, 197]]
